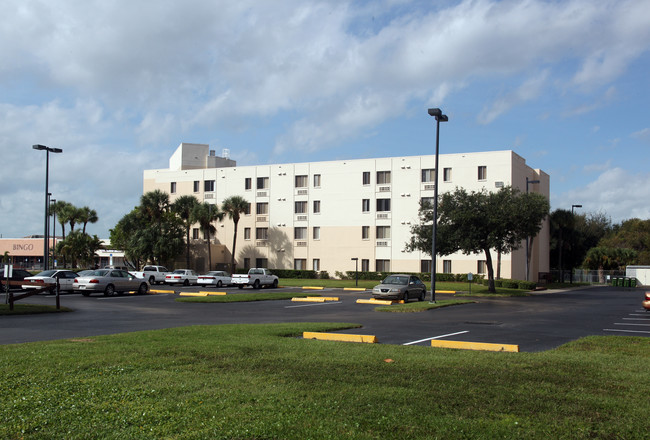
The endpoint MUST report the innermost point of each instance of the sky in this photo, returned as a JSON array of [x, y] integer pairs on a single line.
[[118, 85]]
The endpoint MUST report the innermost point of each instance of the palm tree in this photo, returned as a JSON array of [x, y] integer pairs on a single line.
[[205, 214], [87, 215], [74, 217], [234, 206], [183, 207], [155, 204]]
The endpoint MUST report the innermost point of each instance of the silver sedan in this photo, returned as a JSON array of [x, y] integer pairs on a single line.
[[400, 287], [109, 282]]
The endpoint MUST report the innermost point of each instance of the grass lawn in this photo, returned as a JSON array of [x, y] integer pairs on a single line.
[[27, 309], [265, 382]]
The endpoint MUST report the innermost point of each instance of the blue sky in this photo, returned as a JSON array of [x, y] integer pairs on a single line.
[[119, 85]]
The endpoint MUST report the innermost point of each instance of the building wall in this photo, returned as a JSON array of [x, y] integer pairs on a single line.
[[341, 217]]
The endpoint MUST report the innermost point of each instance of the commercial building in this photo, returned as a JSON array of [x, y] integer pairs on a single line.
[[320, 215]]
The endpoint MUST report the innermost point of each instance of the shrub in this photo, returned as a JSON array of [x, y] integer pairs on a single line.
[[527, 285]]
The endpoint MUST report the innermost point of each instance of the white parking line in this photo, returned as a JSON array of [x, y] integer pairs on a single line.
[[436, 337], [626, 323], [315, 304], [115, 297], [638, 319], [625, 331]]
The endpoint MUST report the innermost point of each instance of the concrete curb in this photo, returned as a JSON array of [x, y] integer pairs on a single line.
[[368, 339]]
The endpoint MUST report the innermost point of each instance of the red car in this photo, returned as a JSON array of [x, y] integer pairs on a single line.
[[646, 302]]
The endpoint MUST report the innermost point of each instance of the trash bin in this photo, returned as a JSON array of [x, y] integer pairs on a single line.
[[614, 281], [632, 282], [627, 282]]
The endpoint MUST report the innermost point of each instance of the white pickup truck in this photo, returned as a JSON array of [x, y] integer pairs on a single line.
[[153, 274], [256, 277]]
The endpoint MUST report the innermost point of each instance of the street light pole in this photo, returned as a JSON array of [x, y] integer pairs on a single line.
[[575, 206], [52, 202], [528, 182], [436, 113], [47, 195]]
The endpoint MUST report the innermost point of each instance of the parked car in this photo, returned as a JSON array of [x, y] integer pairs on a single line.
[[215, 278], [65, 277], [182, 276], [646, 302], [256, 277], [400, 287], [109, 282], [155, 274], [17, 275]]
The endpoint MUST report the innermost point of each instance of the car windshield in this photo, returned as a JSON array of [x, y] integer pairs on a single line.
[[98, 273], [393, 279], [179, 271], [46, 273]]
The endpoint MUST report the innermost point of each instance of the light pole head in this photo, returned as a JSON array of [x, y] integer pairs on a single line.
[[437, 113], [39, 147]]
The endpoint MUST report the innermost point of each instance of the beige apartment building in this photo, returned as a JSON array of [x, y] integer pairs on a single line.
[[321, 215]]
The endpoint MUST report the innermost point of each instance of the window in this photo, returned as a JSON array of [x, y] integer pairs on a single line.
[[247, 233], [481, 267], [316, 233], [197, 185], [195, 233], [428, 175], [300, 233], [425, 266], [365, 265], [172, 188], [427, 201], [366, 177], [383, 177], [299, 264], [262, 182], [365, 232], [446, 266], [383, 205], [208, 186], [248, 183], [261, 233], [383, 232], [382, 265], [447, 174], [247, 210], [316, 206], [316, 180], [262, 208], [315, 264], [365, 205], [262, 262], [300, 207], [301, 181], [482, 173]]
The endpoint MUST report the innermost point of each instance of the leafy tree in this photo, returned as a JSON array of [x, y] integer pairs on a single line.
[[631, 234], [150, 232], [234, 206], [183, 207], [79, 248], [205, 214], [473, 222], [609, 258]]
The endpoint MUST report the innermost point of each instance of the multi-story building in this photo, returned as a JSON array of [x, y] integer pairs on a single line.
[[320, 215]]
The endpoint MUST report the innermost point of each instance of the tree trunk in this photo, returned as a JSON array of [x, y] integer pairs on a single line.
[[209, 252], [187, 244], [232, 258], [490, 269], [498, 265]]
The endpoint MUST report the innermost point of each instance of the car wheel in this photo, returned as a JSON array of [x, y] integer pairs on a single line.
[[422, 295], [406, 297], [142, 290], [275, 284], [241, 286], [256, 284], [152, 280], [186, 282], [109, 291], [85, 293], [219, 283]]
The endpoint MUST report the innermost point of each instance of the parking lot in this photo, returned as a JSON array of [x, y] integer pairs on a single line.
[[535, 323]]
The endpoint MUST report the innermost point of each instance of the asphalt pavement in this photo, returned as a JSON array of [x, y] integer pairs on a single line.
[[538, 322]]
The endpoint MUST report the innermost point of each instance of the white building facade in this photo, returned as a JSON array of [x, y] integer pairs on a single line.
[[321, 215]]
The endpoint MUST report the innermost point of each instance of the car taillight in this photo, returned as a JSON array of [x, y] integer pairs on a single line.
[[93, 281], [647, 296], [75, 281]]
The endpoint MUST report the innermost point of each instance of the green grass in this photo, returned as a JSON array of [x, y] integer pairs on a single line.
[[244, 297], [421, 306], [477, 289], [264, 382], [28, 309]]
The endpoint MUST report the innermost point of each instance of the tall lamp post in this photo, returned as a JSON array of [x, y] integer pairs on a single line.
[[528, 182], [436, 113], [52, 202], [575, 206], [48, 150]]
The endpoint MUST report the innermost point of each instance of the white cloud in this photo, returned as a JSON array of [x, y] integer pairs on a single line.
[[526, 92], [643, 135], [616, 192]]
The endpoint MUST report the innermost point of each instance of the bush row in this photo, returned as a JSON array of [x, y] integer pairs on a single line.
[[512, 284]]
